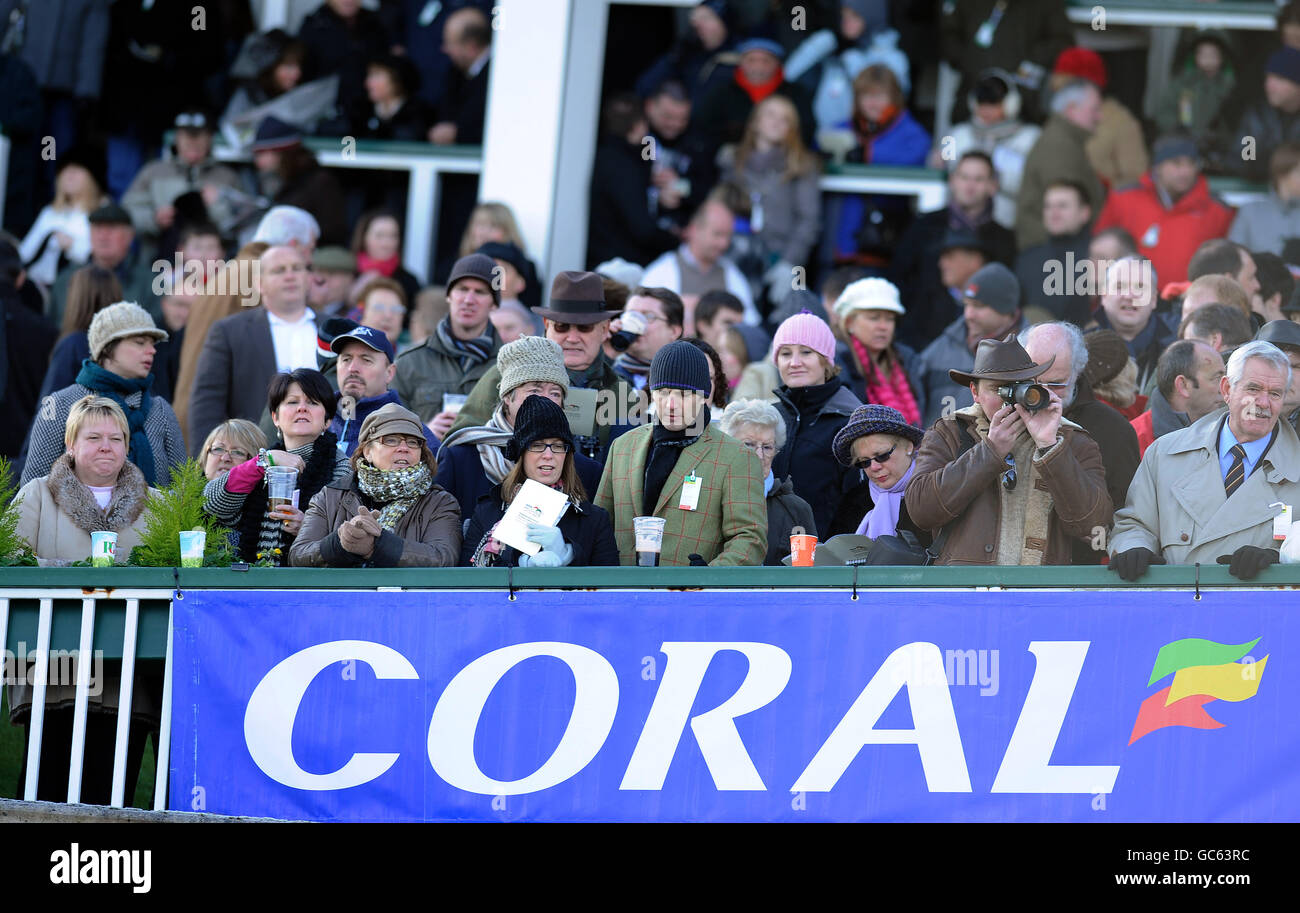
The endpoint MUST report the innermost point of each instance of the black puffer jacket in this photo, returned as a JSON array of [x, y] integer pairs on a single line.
[[812, 419], [585, 527]]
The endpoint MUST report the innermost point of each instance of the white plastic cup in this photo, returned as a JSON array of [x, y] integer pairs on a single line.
[[193, 542], [103, 548]]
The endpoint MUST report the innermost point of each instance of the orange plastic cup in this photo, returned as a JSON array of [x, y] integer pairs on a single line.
[[801, 550]]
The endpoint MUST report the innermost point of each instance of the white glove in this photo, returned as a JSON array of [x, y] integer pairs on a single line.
[[555, 551]]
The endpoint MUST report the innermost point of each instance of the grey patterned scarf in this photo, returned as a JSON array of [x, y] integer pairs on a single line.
[[396, 489]]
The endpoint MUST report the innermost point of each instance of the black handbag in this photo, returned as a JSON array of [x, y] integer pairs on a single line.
[[903, 549]]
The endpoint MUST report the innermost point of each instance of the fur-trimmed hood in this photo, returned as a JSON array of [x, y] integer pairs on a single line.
[[78, 502]]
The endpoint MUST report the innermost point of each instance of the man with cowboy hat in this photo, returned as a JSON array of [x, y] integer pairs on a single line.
[[578, 322], [1011, 486]]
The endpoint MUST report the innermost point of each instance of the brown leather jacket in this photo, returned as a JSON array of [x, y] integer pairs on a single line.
[[961, 492]]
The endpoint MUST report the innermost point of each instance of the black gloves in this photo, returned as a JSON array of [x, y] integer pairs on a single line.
[[698, 561], [1246, 562], [1133, 563]]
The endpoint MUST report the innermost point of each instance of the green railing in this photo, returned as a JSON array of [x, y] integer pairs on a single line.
[[23, 587]]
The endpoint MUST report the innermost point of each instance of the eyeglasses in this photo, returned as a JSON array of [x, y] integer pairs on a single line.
[[583, 328], [386, 308], [238, 456], [192, 121], [881, 458], [1009, 476], [760, 449], [396, 440], [558, 447]]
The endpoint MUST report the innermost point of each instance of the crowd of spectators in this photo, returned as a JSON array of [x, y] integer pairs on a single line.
[[1084, 357]]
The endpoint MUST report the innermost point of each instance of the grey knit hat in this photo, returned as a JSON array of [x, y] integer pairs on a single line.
[[118, 321], [531, 359]]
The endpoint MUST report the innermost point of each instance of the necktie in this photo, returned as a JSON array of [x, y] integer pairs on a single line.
[[1237, 471]]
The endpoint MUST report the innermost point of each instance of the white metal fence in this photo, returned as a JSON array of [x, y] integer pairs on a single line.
[[40, 685]]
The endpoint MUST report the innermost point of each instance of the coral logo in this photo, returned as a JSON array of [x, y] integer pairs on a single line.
[[1203, 671]]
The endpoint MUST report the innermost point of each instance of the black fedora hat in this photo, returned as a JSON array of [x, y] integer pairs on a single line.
[[577, 297], [1280, 333], [1004, 360]]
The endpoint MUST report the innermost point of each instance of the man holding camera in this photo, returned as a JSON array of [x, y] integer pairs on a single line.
[[1010, 480]]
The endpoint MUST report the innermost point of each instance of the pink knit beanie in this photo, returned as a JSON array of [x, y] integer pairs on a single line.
[[805, 329]]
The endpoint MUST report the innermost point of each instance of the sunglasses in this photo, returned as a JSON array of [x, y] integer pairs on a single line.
[[1009, 475], [881, 458], [583, 328]]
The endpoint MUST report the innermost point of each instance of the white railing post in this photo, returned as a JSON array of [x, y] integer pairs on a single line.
[[85, 662], [165, 729], [125, 695], [37, 716]]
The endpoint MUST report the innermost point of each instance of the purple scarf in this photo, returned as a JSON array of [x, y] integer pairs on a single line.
[[882, 519]]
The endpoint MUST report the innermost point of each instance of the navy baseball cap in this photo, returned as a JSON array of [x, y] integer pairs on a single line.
[[376, 339]]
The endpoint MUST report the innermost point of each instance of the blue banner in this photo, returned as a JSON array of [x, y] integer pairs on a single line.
[[787, 705]]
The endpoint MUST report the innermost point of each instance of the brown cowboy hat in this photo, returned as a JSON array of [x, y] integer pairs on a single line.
[[577, 297], [1006, 361]]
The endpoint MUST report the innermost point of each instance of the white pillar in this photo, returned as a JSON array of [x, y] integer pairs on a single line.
[[542, 122]]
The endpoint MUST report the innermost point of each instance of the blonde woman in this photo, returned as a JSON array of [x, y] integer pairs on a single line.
[[232, 442], [490, 222], [91, 488], [779, 175], [494, 222], [62, 229]]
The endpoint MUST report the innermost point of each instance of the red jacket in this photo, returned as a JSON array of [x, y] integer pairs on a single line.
[[1168, 237], [1145, 432]]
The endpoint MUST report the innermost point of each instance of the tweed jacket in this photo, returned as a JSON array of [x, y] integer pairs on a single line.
[[1177, 506], [729, 524]]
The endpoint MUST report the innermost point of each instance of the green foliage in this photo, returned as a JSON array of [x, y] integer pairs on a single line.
[[177, 508], [13, 550]]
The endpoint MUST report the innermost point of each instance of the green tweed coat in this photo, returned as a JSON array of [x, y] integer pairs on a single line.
[[729, 526]]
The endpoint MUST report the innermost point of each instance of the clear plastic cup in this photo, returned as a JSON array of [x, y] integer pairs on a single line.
[[649, 533], [280, 484]]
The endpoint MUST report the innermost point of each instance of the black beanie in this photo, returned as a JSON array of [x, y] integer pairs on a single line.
[[681, 366], [538, 419]]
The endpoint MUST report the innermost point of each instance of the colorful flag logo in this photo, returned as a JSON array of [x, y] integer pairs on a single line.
[[1203, 671]]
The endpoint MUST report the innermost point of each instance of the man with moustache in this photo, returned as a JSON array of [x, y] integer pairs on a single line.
[[1209, 492]]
